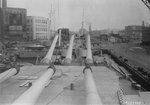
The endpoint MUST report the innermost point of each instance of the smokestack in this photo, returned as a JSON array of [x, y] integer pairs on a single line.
[[0, 3], [59, 38], [4, 4], [1, 16]]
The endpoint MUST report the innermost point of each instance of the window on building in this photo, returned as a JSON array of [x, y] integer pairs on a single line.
[[28, 21]]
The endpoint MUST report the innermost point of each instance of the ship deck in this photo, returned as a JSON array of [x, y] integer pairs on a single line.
[[58, 91]]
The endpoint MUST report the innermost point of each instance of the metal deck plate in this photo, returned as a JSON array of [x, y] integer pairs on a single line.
[[59, 92]]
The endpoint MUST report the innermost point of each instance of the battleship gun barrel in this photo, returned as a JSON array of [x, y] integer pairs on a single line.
[[7, 74], [92, 96], [89, 52], [69, 51], [30, 96], [48, 57]]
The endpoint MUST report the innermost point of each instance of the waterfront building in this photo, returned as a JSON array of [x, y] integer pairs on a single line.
[[145, 34], [38, 28], [134, 32], [123, 35], [13, 22]]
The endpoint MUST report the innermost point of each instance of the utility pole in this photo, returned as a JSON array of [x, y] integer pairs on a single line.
[[82, 26], [4, 7], [52, 17]]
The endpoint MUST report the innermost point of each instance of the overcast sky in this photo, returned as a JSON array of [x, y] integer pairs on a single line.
[[101, 14]]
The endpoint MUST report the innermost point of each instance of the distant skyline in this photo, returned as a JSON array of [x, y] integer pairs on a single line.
[[102, 14]]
